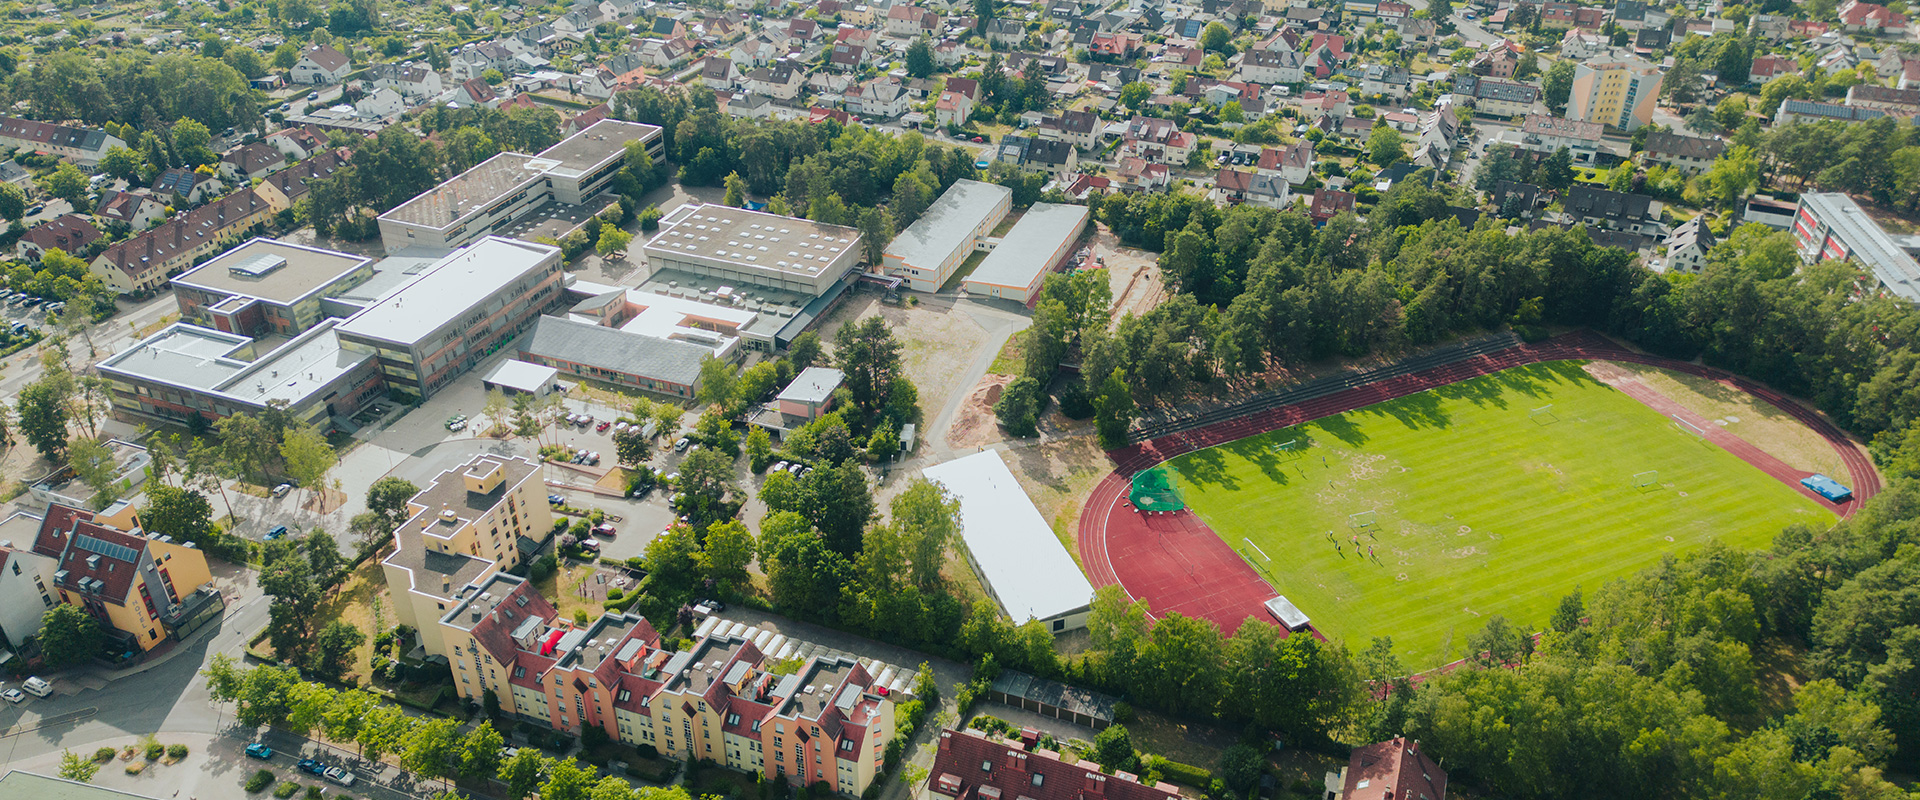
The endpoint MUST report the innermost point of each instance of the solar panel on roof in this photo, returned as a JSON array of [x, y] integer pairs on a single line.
[[106, 548]]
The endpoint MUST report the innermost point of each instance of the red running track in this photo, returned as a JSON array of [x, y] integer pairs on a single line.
[[1176, 563]]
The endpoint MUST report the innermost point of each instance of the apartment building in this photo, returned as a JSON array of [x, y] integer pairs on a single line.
[[26, 581], [720, 699], [1830, 226], [970, 764], [1619, 94], [140, 585], [1689, 154], [144, 262], [469, 523]]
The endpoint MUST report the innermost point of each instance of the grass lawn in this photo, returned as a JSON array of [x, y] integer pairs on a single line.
[[1481, 507], [966, 268]]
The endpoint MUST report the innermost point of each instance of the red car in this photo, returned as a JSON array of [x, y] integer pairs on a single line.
[[602, 427], [978, 140]]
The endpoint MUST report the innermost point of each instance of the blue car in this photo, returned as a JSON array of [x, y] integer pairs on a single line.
[[311, 767], [276, 532], [259, 751]]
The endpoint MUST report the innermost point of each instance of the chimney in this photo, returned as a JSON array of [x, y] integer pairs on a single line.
[[1016, 761], [1096, 784], [446, 583]]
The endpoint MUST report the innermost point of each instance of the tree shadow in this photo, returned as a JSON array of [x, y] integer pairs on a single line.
[[1340, 426], [1206, 468], [1259, 451], [1416, 411]]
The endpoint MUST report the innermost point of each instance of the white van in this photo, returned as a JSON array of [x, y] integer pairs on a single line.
[[37, 687]]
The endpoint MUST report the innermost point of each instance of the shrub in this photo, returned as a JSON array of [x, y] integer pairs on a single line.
[[103, 754], [177, 751], [259, 781], [155, 751], [313, 793], [1185, 774], [285, 790]]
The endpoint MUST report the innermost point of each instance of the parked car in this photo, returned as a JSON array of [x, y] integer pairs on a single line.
[[603, 529], [602, 427], [339, 775], [37, 687], [276, 532], [590, 545], [620, 427], [780, 466], [282, 490], [556, 500], [311, 767], [14, 695], [681, 445], [259, 751]]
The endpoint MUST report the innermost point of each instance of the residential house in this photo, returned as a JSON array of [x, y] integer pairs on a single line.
[[1556, 15], [184, 187], [802, 32], [1768, 67], [476, 92], [1495, 97], [847, 57], [665, 53], [320, 64], [1078, 128], [1378, 79], [1272, 67], [1541, 133], [1231, 187], [882, 98], [1689, 154], [909, 21], [780, 80], [1137, 174], [474, 61], [1006, 32], [1294, 162], [24, 578], [1633, 15], [416, 81], [1329, 203], [1871, 18], [1051, 156], [1620, 211], [949, 52], [748, 105], [139, 587], [1157, 140], [1769, 27], [282, 189], [754, 51], [382, 104], [970, 764], [1081, 185], [1647, 40], [144, 262], [953, 108], [70, 233], [135, 210], [255, 160], [1332, 102], [1687, 247], [83, 146], [1520, 200], [1390, 770], [718, 73], [1580, 45]]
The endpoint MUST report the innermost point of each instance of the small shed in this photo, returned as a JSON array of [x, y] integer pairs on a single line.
[[519, 377]]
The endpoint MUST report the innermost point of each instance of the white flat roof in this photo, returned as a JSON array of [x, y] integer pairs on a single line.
[[522, 376], [1028, 249], [681, 319], [948, 224], [1021, 560], [448, 289]]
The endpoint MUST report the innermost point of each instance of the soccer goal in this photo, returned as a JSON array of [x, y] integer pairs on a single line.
[[1542, 415], [1289, 449], [1363, 519], [1648, 479], [1689, 428]]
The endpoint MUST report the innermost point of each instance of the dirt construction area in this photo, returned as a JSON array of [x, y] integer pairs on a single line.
[[936, 342]]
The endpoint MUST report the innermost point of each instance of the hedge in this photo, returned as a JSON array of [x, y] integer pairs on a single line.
[[1186, 774]]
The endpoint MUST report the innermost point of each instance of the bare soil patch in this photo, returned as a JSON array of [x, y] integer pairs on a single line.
[[1742, 415], [935, 342], [974, 425], [1058, 474]]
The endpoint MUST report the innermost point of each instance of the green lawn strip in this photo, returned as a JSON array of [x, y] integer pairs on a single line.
[[966, 268], [1483, 508]]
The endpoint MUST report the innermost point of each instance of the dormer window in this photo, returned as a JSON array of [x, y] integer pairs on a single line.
[[733, 719], [1039, 779], [986, 766]]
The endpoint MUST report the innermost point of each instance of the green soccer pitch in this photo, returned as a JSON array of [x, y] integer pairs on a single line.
[[1480, 504]]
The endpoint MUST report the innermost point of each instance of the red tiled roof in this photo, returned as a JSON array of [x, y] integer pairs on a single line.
[[1395, 769], [970, 764], [89, 550], [156, 247], [294, 181], [69, 232]]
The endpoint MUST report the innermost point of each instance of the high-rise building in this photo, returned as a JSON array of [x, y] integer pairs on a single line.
[[1615, 93]]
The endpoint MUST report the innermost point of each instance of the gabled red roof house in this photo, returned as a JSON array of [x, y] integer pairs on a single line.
[[971, 765], [1391, 770]]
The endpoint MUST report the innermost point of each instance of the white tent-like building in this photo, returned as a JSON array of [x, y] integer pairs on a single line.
[[1020, 562]]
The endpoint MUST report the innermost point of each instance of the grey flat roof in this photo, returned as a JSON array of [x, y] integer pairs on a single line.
[[202, 359], [516, 374], [1027, 250], [1867, 242], [307, 270], [812, 385], [183, 355], [600, 142], [478, 187], [448, 290], [297, 369], [948, 224], [751, 239], [616, 350], [1023, 563]]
